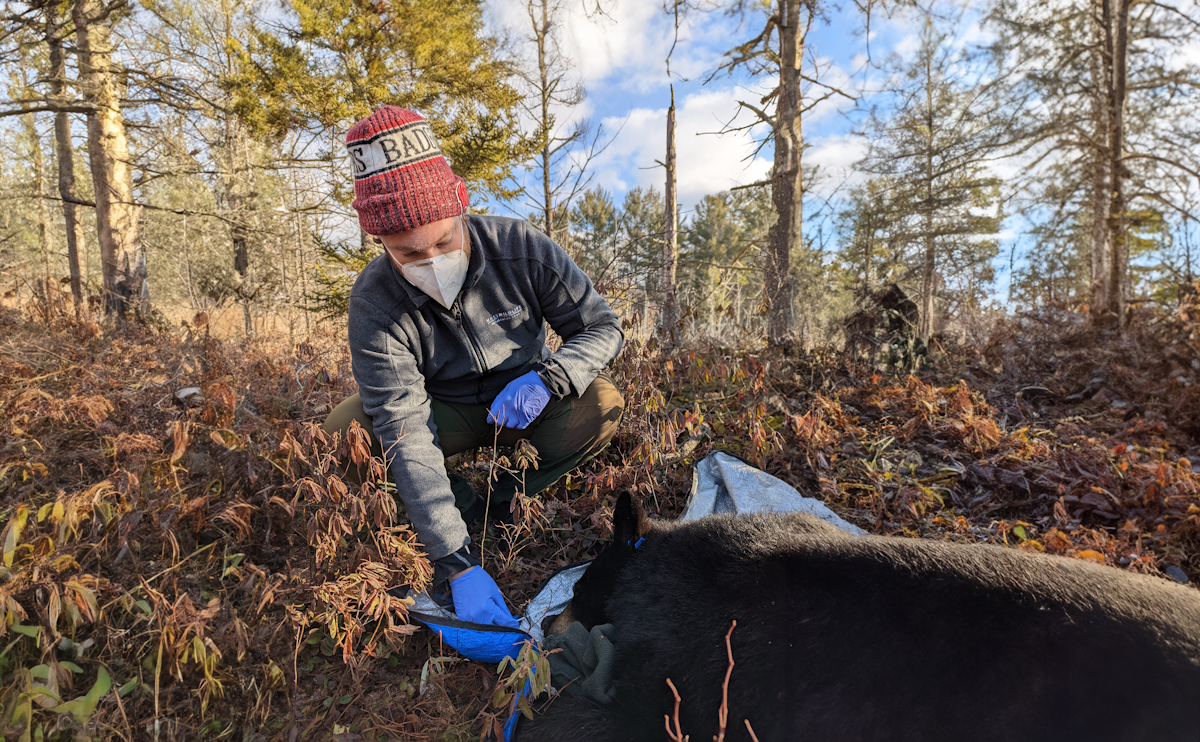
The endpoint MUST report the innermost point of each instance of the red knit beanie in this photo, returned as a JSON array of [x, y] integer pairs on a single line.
[[401, 179]]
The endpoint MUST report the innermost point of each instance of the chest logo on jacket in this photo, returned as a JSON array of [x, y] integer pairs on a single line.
[[499, 317]]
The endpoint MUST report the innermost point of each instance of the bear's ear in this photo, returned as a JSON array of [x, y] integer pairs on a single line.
[[629, 519]]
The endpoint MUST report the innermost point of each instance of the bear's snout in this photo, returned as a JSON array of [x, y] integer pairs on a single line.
[[557, 624]]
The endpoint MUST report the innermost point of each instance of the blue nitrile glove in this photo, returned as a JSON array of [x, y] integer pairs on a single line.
[[477, 599], [520, 402]]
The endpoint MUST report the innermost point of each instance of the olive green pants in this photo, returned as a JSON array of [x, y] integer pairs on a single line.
[[568, 433]]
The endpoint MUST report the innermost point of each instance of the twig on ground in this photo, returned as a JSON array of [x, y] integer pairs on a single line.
[[750, 729], [723, 713], [676, 735], [487, 505], [157, 679]]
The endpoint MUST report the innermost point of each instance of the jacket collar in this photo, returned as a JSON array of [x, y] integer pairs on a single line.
[[475, 266]]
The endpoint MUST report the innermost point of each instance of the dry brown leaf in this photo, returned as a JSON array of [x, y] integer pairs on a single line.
[[1090, 555], [180, 436]]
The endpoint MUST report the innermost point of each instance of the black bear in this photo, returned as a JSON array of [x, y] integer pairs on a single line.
[[841, 637]]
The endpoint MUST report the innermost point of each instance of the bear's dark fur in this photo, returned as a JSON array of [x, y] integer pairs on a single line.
[[874, 638]]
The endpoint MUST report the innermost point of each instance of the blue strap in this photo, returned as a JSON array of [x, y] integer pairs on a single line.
[[638, 544], [511, 724]]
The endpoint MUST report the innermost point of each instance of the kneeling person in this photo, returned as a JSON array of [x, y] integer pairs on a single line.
[[447, 340]]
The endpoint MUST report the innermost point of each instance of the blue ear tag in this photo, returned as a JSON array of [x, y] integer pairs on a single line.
[[638, 544]]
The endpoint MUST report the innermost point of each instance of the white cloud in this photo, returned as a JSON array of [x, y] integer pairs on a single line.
[[626, 46], [707, 163], [629, 35], [831, 76], [835, 156], [907, 46]]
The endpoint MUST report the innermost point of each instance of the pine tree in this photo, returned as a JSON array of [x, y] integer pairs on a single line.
[[871, 251], [341, 59], [593, 240], [721, 260], [1111, 107], [933, 148], [641, 230]]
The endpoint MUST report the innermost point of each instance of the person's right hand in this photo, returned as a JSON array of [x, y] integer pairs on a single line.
[[519, 403], [477, 599]]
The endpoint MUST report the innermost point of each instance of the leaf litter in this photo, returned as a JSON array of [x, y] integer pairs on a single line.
[[198, 566]]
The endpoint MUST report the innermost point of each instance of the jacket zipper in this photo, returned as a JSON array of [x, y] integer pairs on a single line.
[[474, 347]]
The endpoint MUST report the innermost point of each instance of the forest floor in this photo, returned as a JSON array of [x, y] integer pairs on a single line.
[[190, 566]]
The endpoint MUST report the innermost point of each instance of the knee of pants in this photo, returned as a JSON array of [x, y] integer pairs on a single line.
[[595, 416], [350, 409], [338, 421]]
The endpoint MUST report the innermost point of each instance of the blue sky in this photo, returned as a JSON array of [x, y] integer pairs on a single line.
[[620, 58]]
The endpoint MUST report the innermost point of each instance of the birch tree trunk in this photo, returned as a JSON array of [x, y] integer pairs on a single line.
[[670, 253], [787, 179], [123, 270], [65, 155]]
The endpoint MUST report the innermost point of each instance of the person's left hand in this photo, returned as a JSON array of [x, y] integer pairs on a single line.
[[477, 599], [520, 402]]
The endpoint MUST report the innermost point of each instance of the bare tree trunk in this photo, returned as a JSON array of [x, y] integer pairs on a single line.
[[237, 193], [787, 191], [286, 287], [248, 319], [561, 175], [1100, 255], [116, 211], [738, 299], [300, 269], [929, 265], [241, 265], [187, 265], [541, 33], [867, 238], [1117, 36], [65, 154], [43, 211], [670, 254], [928, 273]]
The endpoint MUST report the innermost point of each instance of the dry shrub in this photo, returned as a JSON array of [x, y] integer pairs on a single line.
[[211, 560], [205, 560]]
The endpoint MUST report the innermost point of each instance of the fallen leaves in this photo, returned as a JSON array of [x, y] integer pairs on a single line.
[[1090, 555], [212, 555]]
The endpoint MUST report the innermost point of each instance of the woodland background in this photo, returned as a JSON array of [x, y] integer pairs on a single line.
[[181, 559]]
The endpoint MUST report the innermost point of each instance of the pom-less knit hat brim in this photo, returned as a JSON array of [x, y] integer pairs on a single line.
[[401, 179], [404, 210]]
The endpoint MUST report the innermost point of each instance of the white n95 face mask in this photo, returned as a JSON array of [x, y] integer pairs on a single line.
[[441, 277]]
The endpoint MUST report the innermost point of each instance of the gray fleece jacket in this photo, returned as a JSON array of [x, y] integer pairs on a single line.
[[407, 349]]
